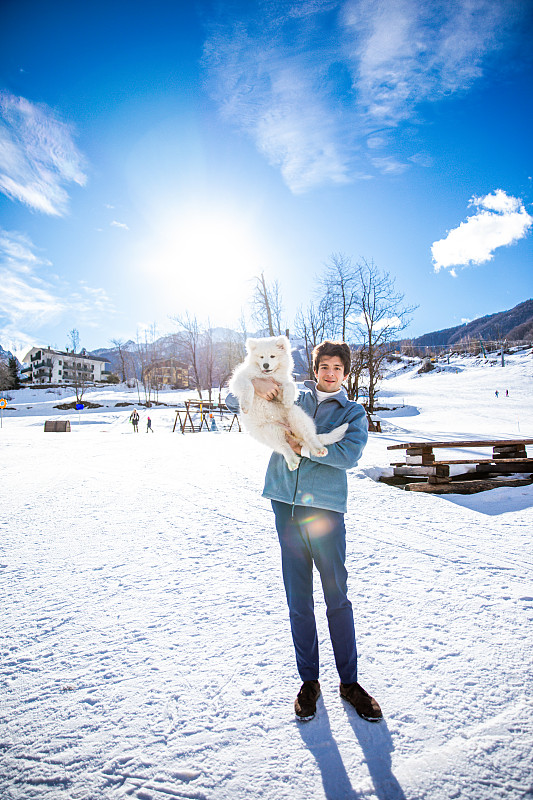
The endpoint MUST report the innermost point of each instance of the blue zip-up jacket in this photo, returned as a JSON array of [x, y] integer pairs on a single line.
[[319, 482]]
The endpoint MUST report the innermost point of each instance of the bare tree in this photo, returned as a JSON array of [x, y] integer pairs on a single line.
[[207, 360], [119, 344], [357, 370], [73, 340], [148, 356], [189, 340], [230, 353], [332, 315], [310, 325], [75, 369], [338, 292], [382, 315], [267, 306]]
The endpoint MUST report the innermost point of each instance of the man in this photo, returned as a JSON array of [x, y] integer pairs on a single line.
[[309, 505]]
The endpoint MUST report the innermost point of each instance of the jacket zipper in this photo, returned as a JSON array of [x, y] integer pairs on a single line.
[[298, 474]]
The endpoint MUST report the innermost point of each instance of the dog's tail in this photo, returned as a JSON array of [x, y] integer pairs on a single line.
[[333, 436]]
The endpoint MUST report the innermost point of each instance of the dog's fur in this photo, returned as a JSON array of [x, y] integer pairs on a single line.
[[264, 419]]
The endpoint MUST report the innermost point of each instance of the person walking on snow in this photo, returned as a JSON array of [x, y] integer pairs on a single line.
[[149, 425], [134, 419], [309, 506]]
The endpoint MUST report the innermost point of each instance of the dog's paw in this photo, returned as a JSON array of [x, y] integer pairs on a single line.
[[321, 452], [293, 463]]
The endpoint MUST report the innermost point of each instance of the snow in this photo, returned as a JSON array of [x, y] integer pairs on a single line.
[[145, 638]]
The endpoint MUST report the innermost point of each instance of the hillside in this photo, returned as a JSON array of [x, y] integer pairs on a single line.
[[513, 325]]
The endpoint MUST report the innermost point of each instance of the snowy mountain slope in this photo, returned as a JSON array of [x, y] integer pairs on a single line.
[[145, 640], [514, 324]]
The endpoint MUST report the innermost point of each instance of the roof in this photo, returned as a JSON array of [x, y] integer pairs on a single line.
[[64, 353]]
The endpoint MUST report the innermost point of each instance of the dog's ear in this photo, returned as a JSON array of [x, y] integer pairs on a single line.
[[282, 343], [251, 345]]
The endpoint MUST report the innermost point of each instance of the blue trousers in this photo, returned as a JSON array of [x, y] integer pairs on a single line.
[[307, 536]]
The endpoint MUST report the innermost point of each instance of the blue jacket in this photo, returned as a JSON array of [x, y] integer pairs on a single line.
[[319, 482]]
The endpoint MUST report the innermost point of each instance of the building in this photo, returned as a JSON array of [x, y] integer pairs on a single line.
[[44, 365], [169, 372]]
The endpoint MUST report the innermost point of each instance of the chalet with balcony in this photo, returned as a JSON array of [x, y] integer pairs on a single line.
[[169, 372], [44, 365]]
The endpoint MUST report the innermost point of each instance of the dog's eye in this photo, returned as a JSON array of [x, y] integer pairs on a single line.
[[272, 356]]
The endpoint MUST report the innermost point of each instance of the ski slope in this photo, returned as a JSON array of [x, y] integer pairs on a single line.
[[146, 650]]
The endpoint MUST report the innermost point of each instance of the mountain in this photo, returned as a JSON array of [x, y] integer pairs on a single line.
[[5, 355], [513, 325]]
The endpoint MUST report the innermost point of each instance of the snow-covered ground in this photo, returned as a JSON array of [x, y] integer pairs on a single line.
[[146, 650]]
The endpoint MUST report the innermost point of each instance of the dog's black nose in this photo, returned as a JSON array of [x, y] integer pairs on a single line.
[[266, 366]]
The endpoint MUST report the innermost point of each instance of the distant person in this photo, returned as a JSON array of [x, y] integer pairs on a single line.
[[496, 393], [507, 392], [134, 419], [149, 425]]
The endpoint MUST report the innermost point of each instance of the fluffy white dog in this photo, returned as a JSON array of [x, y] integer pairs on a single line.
[[268, 420]]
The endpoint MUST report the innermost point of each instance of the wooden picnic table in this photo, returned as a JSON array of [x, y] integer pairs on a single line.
[[508, 456], [478, 443]]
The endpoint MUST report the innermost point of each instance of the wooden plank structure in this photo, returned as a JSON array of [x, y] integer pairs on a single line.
[[57, 425], [198, 414], [508, 456], [374, 425]]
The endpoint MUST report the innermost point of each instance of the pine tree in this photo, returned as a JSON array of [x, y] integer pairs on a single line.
[[13, 370]]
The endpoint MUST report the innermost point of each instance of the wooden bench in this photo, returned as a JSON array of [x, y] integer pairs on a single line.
[[508, 456]]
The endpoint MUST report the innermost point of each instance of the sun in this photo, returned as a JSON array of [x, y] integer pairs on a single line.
[[207, 258]]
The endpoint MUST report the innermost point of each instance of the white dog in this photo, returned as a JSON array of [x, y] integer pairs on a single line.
[[268, 420]]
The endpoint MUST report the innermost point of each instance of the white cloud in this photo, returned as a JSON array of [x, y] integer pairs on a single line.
[[500, 220], [25, 298], [389, 165], [37, 156], [380, 324], [31, 297], [322, 86], [116, 224]]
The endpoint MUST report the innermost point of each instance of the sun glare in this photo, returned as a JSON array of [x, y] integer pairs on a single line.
[[207, 259]]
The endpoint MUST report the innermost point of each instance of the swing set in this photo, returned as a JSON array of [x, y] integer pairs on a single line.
[[200, 414]]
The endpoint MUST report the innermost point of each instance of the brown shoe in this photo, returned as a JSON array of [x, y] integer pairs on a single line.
[[364, 704], [305, 703]]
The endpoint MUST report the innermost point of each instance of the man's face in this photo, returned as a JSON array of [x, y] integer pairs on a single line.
[[330, 374]]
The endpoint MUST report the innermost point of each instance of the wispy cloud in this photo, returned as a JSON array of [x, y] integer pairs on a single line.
[[115, 224], [321, 86], [25, 297], [31, 297], [500, 220], [91, 304], [38, 156]]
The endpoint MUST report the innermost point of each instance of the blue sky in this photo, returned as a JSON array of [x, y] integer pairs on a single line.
[[155, 157]]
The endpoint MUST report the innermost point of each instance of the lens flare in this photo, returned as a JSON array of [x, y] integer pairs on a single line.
[[318, 525]]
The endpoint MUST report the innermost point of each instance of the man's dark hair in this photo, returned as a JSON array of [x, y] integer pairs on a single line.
[[327, 348]]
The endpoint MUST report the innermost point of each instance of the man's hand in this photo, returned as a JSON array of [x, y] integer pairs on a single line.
[[267, 388], [295, 444]]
